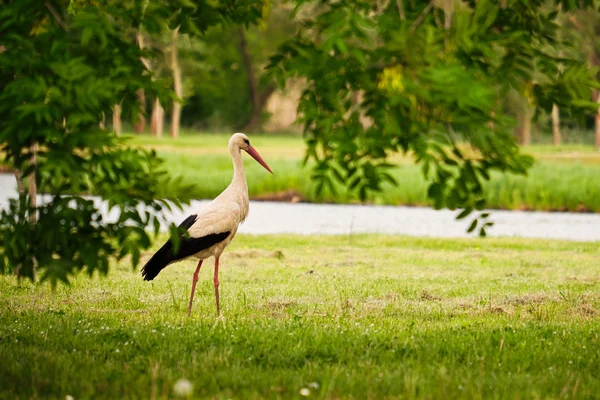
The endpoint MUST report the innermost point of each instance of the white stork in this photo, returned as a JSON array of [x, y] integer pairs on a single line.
[[212, 228]]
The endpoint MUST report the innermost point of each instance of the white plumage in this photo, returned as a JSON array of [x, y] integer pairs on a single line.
[[212, 228]]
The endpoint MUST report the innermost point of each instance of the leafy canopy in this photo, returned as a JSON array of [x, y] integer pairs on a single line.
[[63, 65], [409, 76]]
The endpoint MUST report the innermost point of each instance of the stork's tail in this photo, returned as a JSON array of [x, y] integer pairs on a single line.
[[187, 247], [160, 259]]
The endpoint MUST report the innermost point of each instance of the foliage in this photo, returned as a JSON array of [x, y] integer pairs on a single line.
[[64, 64], [411, 77], [216, 86], [582, 29], [360, 316], [215, 80]]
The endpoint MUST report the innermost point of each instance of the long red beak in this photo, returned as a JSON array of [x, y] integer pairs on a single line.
[[252, 151]]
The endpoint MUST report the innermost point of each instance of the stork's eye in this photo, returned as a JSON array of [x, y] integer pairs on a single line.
[[247, 142]]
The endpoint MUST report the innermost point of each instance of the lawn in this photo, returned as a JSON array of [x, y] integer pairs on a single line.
[[565, 178], [362, 316]]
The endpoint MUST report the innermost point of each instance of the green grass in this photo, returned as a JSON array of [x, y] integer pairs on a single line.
[[367, 316], [565, 178], [216, 143]]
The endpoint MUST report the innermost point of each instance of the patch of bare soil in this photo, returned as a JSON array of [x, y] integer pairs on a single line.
[[526, 299], [425, 295], [278, 254], [280, 304], [287, 196], [587, 310]]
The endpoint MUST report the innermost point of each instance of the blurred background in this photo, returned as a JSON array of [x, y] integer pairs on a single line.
[[226, 88], [459, 105]]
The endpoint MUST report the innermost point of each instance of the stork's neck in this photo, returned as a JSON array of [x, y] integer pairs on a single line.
[[238, 189], [239, 178]]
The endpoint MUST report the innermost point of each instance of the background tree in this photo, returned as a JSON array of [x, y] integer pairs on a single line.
[[428, 87], [64, 64], [177, 85], [597, 124], [225, 84], [257, 101], [116, 119], [555, 125], [582, 29]]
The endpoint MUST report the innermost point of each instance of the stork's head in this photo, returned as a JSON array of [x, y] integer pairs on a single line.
[[241, 141]]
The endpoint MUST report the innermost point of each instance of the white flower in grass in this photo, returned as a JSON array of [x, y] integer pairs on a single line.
[[69, 397], [183, 388], [313, 385], [304, 392]]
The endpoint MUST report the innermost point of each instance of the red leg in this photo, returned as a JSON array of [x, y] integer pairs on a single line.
[[216, 282], [195, 279]]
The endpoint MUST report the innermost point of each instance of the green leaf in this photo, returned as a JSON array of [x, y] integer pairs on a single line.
[[480, 204], [465, 213], [473, 225]]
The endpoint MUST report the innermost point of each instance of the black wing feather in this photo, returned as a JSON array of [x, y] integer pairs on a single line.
[[188, 246], [188, 222]]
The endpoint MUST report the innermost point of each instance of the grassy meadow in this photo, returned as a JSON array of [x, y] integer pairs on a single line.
[[327, 317], [565, 178], [363, 316]]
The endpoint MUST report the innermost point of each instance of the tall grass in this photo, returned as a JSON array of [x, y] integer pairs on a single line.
[[548, 186], [568, 136], [210, 174], [574, 187], [565, 178]]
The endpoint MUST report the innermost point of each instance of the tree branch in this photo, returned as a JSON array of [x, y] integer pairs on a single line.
[[575, 22], [33, 185], [419, 19], [449, 132], [56, 16], [400, 10]]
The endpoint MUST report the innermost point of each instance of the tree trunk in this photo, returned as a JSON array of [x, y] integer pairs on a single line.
[[594, 61], [157, 121], [253, 122], [555, 125], [117, 119], [139, 121], [448, 12], [20, 185], [491, 124], [400, 7], [524, 129], [597, 130], [33, 185], [176, 114]]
